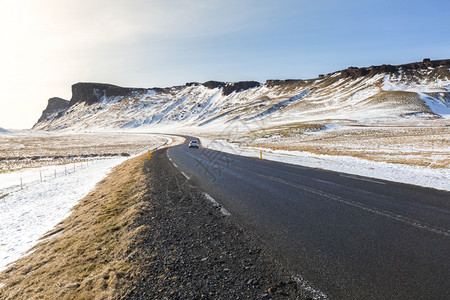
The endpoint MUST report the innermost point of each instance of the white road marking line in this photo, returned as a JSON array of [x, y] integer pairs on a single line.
[[175, 165], [305, 285], [216, 204], [384, 213], [185, 175], [363, 179]]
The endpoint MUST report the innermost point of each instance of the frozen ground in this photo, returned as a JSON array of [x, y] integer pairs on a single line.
[[27, 213]]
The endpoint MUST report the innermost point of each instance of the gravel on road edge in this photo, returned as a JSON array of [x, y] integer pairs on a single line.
[[190, 250]]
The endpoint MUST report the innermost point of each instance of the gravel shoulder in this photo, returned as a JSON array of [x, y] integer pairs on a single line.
[[190, 250]]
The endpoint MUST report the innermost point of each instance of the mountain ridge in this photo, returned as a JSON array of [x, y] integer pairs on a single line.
[[424, 86]]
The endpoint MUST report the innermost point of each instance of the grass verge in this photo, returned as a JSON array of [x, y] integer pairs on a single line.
[[86, 255]]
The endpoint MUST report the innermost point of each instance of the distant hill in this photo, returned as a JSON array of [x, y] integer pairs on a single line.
[[418, 90], [3, 130]]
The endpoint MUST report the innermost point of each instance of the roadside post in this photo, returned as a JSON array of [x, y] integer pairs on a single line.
[[148, 155], [260, 154]]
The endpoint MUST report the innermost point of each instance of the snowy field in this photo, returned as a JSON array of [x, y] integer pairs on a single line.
[[48, 193], [27, 214]]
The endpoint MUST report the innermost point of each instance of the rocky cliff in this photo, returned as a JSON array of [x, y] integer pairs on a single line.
[[91, 93], [55, 107], [230, 87]]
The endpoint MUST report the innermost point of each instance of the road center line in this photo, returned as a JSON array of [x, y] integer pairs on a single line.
[[387, 214]]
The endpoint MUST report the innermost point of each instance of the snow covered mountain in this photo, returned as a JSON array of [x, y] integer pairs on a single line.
[[354, 95]]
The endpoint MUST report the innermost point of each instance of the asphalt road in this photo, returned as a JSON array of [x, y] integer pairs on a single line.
[[348, 236]]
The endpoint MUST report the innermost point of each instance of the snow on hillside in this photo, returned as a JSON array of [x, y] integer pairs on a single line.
[[439, 104], [435, 93], [374, 97]]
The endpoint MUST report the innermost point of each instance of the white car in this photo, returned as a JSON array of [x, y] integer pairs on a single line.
[[193, 144]]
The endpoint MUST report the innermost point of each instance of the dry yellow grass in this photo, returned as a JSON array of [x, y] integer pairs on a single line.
[[85, 256], [285, 130], [426, 146]]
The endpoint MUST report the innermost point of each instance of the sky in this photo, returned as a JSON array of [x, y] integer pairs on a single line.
[[48, 45]]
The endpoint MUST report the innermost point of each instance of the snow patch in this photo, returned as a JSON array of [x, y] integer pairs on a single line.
[[416, 85], [438, 105], [281, 105]]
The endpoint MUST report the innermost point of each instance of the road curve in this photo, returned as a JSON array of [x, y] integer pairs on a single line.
[[349, 236]]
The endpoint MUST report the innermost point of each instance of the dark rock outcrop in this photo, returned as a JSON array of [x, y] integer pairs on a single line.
[[213, 84], [355, 73], [91, 93], [55, 105], [239, 86], [230, 87], [274, 82], [159, 90]]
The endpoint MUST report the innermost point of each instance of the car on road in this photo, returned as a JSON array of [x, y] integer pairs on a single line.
[[193, 144]]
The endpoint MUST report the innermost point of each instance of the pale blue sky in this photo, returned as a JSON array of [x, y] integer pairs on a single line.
[[47, 45]]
